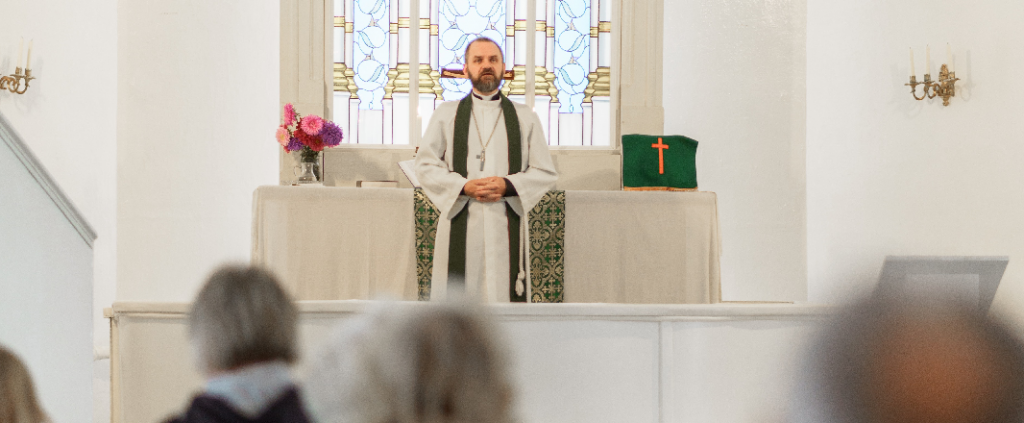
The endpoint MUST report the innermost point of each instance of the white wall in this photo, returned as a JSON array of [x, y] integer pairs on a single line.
[[67, 116], [734, 80], [891, 175], [68, 119], [45, 293], [197, 108]]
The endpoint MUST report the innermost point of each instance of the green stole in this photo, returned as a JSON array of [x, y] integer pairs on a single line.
[[460, 223]]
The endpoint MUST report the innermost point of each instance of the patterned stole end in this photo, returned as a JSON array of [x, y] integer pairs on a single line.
[[426, 217], [547, 243]]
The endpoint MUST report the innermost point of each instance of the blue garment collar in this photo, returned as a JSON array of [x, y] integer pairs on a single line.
[[253, 388]]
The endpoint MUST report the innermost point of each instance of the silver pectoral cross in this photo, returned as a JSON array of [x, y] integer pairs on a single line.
[[482, 157]]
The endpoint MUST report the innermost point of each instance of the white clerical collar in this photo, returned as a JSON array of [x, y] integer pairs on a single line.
[[496, 96]]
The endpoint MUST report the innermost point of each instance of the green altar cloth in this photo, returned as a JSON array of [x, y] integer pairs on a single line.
[[659, 163], [547, 245]]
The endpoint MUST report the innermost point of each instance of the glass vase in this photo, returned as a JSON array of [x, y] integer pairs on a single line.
[[308, 170]]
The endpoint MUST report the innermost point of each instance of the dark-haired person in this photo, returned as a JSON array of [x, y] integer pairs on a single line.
[[931, 359], [484, 163]]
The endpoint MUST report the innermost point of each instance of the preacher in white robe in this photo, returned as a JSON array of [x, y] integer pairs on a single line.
[[495, 263]]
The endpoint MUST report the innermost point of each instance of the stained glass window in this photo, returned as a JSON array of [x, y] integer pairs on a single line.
[[462, 21], [372, 74], [370, 58], [572, 53]]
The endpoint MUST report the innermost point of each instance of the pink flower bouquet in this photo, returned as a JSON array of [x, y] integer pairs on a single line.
[[309, 133]]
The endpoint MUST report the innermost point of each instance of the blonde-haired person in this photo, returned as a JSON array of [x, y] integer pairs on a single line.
[[242, 327], [411, 363], [18, 402]]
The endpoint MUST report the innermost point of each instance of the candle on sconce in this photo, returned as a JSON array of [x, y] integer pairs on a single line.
[[927, 59], [944, 86], [18, 81], [912, 73], [28, 60], [949, 57]]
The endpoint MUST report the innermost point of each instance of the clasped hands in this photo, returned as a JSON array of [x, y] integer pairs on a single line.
[[486, 190]]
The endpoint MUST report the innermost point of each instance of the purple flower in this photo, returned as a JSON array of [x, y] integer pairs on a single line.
[[331, 134], [294, 144]]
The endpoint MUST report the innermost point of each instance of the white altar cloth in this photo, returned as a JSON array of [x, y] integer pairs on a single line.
[[331, 243]]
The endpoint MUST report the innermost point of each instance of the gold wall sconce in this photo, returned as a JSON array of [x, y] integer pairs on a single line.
[[13, 82], [945, 87]]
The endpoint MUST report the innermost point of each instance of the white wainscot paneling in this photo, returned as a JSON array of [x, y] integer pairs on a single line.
[[586, 371], [571, 362], [731, 371]]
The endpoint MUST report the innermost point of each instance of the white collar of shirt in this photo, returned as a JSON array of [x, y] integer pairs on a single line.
[[486, 107], [495, 97]]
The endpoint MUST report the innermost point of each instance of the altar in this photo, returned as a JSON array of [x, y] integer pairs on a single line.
[[335, 243]]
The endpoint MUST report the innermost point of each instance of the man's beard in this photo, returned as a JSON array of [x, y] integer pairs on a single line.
[[485, 86]]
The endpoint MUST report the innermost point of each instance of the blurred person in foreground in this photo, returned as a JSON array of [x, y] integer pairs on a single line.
[[416, 363], [242, 327], [18, 403], [931, 360]]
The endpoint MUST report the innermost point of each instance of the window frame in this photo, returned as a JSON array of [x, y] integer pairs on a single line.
[[638, 25]]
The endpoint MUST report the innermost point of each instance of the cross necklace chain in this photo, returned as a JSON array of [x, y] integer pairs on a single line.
[[483, 146]]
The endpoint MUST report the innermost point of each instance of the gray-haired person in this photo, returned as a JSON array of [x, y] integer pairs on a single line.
[[926, 360], [419, 363], [242, 327]]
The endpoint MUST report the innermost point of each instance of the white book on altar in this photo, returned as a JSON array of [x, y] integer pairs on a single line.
[[377, 184], [408, 168]]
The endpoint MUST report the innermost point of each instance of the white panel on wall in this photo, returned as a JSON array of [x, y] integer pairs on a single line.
[[45, 293], [196, 118], [159, 351], [740, 371], [585, 371], [888, 175], [734, 78]]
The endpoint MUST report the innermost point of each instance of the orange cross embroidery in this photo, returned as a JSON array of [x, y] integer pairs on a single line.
[[661, 155]]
